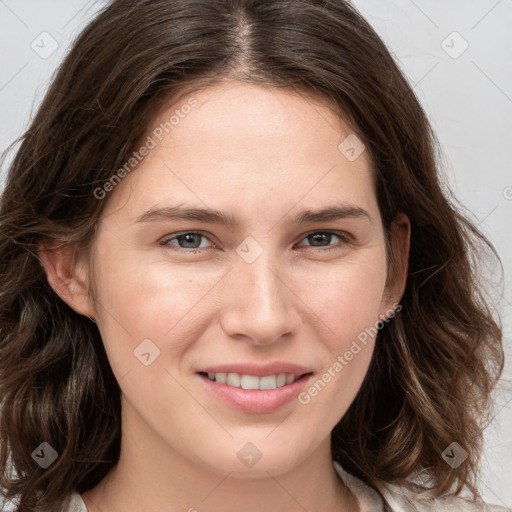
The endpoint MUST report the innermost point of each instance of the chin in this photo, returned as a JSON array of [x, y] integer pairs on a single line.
[[241, 466]]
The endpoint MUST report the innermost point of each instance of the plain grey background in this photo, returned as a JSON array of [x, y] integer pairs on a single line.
[[457, 54]]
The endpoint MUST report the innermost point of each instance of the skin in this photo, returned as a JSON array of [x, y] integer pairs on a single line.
[[262, 155]]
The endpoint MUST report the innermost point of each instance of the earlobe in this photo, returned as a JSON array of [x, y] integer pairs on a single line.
[[67, 275]]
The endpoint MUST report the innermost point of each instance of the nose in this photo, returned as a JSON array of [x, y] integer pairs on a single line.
[[260, 306]]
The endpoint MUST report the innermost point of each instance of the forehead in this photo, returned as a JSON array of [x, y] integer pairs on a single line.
[[244, 144]]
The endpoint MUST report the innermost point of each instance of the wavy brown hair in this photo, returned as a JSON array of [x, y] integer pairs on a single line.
[[434, 366]]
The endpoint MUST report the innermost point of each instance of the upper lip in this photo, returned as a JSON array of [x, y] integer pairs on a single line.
[[259, 370]]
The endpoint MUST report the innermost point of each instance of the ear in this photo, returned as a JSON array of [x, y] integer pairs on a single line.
[[397, 273], [68, 274]]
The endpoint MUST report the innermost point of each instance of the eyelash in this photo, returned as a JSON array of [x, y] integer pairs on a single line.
[[345, 237]]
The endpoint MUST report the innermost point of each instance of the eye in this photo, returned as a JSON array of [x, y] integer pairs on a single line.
[[189, 240], [319, 237]]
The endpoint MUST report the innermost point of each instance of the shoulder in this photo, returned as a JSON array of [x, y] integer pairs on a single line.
[[74, 503], [400, 499]]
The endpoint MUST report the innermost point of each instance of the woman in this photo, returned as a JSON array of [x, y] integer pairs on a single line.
[[308, 350]]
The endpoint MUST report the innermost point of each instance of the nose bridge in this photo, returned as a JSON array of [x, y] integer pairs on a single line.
[[262, 306], [264, 287]]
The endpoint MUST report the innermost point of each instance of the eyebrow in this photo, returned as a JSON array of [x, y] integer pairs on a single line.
[[210, 216]]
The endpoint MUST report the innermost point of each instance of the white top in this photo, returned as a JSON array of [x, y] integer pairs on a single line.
[[399, 499]]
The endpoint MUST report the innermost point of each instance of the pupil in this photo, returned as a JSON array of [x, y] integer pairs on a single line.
[[189, 239], [316, 237]]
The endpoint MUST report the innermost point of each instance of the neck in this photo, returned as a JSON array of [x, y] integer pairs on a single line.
[[151, 476]]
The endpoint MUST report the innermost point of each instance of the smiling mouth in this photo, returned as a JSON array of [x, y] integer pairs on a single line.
[[254, 382]]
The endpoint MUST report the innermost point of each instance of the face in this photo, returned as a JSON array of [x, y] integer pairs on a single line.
[[178, 295]]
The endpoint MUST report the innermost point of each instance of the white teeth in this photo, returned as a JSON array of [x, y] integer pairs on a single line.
[[220, 377], [233, 380], [252, 381], [268, 382], [249, 382]]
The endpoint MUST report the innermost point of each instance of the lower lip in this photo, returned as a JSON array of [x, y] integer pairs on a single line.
[[256, 401]]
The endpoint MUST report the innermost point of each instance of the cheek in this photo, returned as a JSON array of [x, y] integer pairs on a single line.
[[138, 299], [347, 304], [348, 297], [143, 296]]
